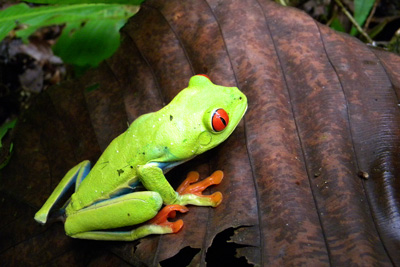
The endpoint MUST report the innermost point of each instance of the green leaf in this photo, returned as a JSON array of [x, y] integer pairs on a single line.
[[362, 8], [337, 25], [92, 88], [394, 44], [124, 2], [31, 19], [4, 129], [87, 45], [6, 155], [6, 159], [91, 32]]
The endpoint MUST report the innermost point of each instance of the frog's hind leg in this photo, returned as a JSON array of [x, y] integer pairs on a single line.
[[131, 209], [82, 173], [74, 175]]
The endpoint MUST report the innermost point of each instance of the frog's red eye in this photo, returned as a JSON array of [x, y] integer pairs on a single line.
[[204, 76], [219, 120]]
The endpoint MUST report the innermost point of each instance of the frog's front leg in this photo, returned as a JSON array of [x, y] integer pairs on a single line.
[[74, 175], [127, 210], [190, 191]]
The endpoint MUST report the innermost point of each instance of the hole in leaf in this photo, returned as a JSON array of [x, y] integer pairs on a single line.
[[183, 258], [222, 253]]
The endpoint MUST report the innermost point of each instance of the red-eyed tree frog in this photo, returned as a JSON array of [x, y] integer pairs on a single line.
[[199, 118]]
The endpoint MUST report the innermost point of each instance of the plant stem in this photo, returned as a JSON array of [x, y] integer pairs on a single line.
[[371, 14]]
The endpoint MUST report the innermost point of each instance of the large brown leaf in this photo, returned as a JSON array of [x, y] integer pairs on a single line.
[[323, 116]]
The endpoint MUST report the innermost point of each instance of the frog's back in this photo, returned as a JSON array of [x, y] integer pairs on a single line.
[[115, 171]]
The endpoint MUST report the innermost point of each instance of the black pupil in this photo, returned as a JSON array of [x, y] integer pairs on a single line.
[[223, 121]]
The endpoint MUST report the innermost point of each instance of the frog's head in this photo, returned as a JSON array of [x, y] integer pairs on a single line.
[[211, 112]]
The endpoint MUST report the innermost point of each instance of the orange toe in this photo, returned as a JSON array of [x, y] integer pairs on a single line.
[[191, 177], [169, 212], [189, 187], [216, 198], [176, 226]]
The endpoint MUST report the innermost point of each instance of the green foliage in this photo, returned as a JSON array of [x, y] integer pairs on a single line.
[[4, 129], [124, 2], [92, 88], [91, 31], [87, 44], [336, 25], [394, 44], [6, 155], [28, 20], [378, 28], [362, 8]]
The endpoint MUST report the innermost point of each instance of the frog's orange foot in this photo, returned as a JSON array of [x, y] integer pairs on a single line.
[[191, 186], [169, 211]]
